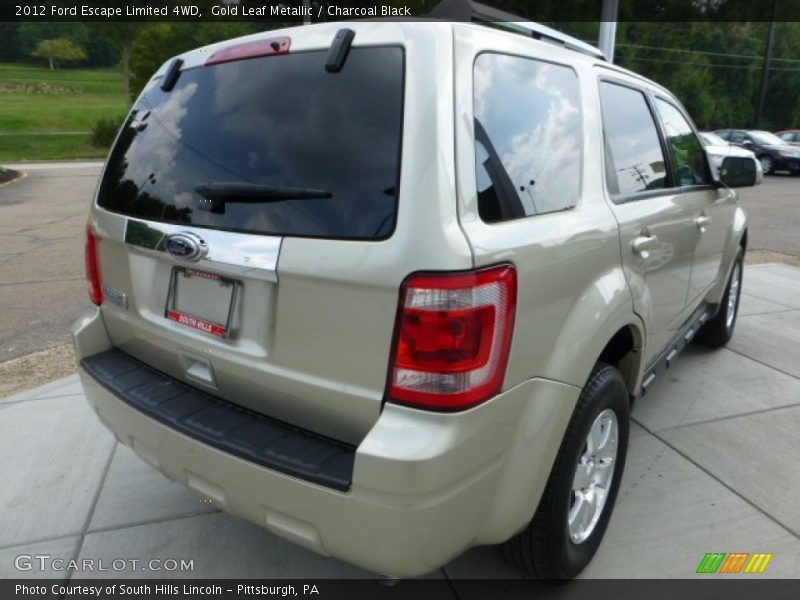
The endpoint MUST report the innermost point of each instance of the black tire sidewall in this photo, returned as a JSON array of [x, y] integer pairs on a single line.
[[569, 558], [737, 264]]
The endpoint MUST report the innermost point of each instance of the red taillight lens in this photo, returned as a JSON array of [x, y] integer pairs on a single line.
[[93, 268], [452, 338]]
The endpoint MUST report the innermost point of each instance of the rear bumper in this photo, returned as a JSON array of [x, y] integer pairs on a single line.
[[425, 486]]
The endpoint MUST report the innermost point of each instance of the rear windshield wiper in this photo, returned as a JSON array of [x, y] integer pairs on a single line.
[[216, 194]]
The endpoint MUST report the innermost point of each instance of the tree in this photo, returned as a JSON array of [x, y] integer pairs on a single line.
[[59, 49], [159, 42], [121, 36]]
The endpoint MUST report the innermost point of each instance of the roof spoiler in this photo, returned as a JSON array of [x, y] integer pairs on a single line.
[[482, 14]]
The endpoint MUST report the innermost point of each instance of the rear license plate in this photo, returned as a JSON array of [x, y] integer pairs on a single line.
[[202, 300]]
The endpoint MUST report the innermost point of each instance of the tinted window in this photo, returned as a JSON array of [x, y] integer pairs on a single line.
[[737, 137], [528, 137], [636, 158], [766, 138], [274, 121], [684, 147]]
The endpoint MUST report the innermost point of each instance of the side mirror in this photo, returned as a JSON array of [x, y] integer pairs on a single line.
[[739, 171]]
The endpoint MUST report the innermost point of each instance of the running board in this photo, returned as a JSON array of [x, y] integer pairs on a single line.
[[667, 357]]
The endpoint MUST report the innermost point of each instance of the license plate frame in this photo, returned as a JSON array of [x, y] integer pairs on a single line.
[[211, 327]]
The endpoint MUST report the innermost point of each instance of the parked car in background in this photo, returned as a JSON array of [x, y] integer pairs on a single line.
[[774, 153], [717, 149], [790, 136]]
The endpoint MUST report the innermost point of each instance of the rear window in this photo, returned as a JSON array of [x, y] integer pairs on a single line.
[[278, 122]]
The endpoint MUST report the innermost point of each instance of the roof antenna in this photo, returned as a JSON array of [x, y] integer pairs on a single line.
[[172, 74], [339, 49]]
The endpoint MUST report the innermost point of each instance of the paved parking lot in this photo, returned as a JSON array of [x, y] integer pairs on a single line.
[[713, 467]]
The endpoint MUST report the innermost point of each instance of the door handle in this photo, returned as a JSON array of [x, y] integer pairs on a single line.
[[643, 243], [702, 222]]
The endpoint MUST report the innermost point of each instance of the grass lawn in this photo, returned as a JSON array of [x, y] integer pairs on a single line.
[[49, 114]]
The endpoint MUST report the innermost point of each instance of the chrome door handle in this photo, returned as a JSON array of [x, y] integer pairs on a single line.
[[642, 244], [702, 222]]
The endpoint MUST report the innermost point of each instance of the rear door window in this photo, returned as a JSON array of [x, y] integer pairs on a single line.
[[528, 137], [636, 158], [329, 142], [687, 153]]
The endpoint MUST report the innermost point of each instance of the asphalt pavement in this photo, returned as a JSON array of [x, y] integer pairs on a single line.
[[42, 281], [773, 211]]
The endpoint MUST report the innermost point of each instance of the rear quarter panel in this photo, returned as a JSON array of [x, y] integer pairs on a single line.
[[572, 294]]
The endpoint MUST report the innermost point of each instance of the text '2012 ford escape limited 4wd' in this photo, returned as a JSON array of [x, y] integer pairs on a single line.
[[388, 289]]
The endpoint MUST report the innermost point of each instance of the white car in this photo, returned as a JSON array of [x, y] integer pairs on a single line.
[[717, 149]]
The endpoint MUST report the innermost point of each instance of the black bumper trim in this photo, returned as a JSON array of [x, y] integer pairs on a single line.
[[228, 427]]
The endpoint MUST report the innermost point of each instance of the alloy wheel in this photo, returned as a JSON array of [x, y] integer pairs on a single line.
[[593, 476]]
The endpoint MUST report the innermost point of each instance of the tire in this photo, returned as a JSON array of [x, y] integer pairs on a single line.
[[719, 330], [767, 164], [550, 547]]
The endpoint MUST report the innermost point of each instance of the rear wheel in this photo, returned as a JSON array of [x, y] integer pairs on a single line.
[[577, 503], [719, 330], [767, 164]]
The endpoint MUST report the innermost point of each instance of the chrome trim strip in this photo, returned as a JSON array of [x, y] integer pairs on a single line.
[[256, 255], [650, 378], [672, 354]]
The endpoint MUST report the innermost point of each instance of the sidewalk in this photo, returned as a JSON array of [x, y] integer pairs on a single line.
[[712, 467]]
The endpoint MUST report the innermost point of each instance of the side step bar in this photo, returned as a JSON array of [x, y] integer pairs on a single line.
[[223, 425], [664, 360]]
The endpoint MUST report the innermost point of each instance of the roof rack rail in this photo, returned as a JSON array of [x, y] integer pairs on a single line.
[[475, 12]]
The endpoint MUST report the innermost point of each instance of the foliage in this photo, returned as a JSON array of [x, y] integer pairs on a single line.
[[48, 114], [714, 67], [59, 50], [105, 131], [158, 43]]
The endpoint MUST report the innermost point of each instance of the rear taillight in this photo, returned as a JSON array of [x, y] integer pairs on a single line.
[[93, 268], [452, 338]]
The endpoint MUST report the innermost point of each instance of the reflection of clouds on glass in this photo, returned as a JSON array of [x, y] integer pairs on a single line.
[[156, 151], [296, 119], [279, 121], [530, 111], [183, 200], [632, 138]]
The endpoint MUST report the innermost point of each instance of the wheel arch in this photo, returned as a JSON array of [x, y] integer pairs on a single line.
[[624, 351], [737, 240]]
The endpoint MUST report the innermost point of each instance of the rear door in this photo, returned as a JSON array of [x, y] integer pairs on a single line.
[[655, 223], [711, 207], [257, 219]]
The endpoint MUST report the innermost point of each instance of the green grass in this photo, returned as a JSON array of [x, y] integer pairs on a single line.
[[36, 103]]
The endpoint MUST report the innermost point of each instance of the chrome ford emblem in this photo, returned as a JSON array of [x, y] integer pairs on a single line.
[[186, 245]]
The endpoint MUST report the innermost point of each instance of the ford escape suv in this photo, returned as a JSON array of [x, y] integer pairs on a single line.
[[388, 289]]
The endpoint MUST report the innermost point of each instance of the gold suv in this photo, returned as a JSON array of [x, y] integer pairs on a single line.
[[388, 289]]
